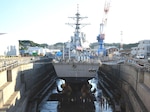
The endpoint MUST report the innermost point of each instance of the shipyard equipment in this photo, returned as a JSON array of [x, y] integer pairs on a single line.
[[101, 36]]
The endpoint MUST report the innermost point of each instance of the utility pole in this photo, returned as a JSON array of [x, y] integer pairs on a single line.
[[121, 43]]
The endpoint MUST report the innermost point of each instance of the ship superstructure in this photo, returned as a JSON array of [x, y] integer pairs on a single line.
[[76, 66], [79, 38]]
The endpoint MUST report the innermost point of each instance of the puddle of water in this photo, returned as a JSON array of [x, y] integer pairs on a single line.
[[97, 106], [49, 106], [53, 106]]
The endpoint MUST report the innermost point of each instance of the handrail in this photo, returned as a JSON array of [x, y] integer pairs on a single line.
[[13, 62], [16, 61]]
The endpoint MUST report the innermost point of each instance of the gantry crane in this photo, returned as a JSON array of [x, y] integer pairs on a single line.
[[101, 36]]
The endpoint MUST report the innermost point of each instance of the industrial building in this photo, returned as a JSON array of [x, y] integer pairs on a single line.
[[143, 48], [37, 51], [9, 45]]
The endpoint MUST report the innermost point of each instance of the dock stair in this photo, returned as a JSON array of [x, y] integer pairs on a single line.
[[9, 92]]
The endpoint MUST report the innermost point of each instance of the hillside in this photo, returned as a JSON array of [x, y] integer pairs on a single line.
[[23, 44]]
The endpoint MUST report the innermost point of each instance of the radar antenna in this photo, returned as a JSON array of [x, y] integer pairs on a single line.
[[77, 18], [77, 25]]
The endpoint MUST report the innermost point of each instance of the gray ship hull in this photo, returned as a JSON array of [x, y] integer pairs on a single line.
[[76, 72]]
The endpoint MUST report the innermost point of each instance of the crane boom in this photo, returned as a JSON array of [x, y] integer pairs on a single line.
[[103, 24], [104, 20]]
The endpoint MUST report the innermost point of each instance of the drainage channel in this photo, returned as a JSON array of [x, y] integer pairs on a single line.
[[111, 90], [38, 97]]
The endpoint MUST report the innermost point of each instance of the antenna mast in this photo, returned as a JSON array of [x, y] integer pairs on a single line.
[[121, 44], [76, 40], [77, 18]]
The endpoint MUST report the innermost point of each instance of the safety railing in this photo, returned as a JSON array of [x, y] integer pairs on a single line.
[[143, 64], [11, 62], [147, 67]]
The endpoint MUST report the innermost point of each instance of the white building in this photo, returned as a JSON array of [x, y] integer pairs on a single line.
[[143, 48], [112, 50], [38, 51], [134, 51], [9, 45]]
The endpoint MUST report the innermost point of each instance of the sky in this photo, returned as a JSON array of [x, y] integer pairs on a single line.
[[44, 21]]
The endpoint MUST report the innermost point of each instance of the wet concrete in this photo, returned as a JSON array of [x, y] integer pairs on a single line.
[[100, 104]]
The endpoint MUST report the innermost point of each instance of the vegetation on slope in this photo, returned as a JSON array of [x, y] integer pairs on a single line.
[[23, 44]]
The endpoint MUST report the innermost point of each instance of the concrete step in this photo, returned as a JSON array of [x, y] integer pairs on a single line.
[[6, 90], [3, 77], [11, 102]]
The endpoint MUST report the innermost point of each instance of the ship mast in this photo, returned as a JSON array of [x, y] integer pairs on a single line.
[[77, 27], [77, 18]]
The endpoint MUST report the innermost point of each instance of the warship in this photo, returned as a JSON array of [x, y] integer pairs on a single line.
[[76, 65]]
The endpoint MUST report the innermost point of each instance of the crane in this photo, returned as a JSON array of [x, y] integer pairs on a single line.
[[101, 36]]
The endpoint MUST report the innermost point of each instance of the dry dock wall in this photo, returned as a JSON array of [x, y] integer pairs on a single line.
[[17, 83], [134, 81]]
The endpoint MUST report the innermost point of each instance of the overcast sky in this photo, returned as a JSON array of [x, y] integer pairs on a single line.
[[43, 21]]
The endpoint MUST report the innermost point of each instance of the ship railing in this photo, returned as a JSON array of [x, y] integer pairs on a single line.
[[76, 61]]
